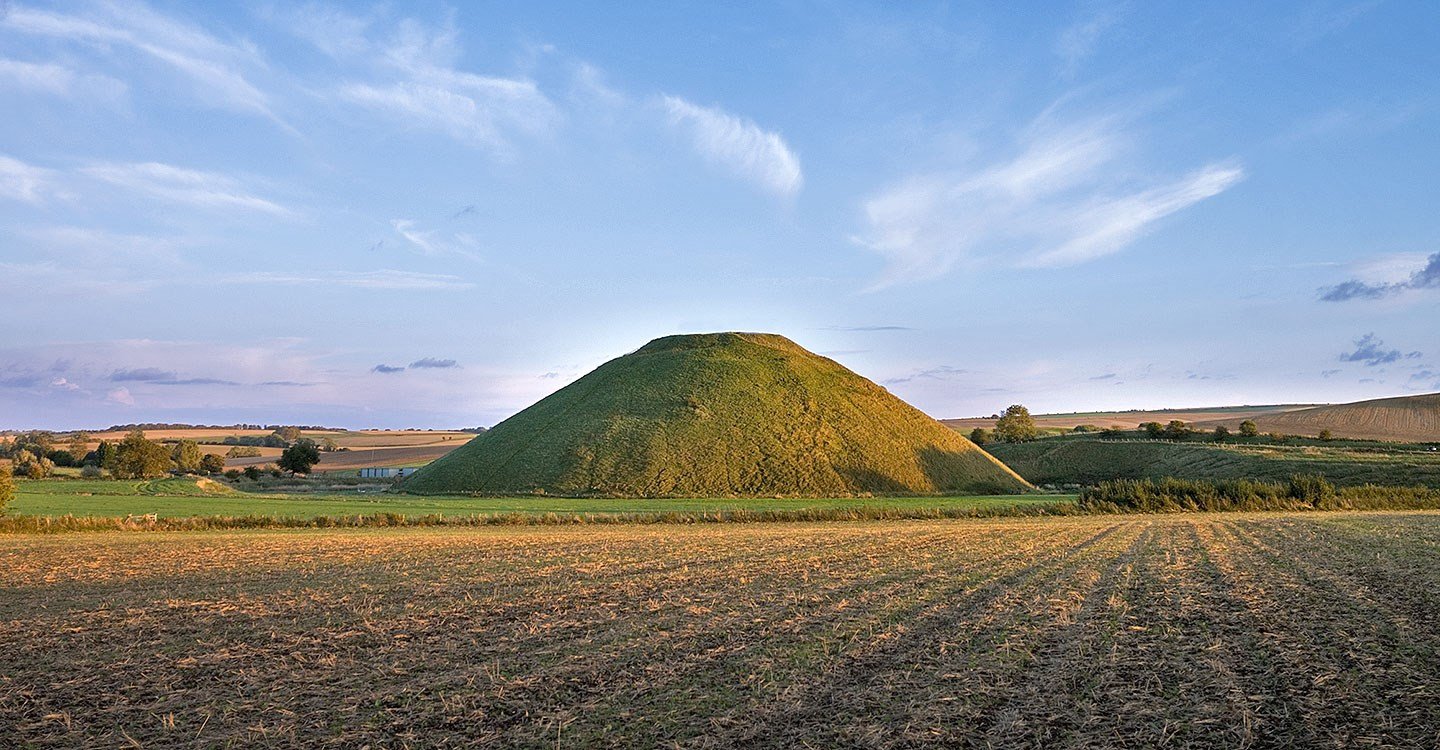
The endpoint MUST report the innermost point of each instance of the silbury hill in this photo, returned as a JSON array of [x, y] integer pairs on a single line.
[[719, 415]]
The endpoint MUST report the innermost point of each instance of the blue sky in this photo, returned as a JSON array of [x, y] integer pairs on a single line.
[[432, 215]]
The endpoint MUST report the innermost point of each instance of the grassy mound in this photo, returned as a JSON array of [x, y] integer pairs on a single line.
[[718, 415], [1088, 460], [1405, 418]]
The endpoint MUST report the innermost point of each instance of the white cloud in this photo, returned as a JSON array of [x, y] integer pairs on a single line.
[[204, 189], [1062, 200], [213, 68], [418, 85], [1078, 41], [739, 145], [57, 80], [433, 243], [24, 182], [121, 396], [44, 77]]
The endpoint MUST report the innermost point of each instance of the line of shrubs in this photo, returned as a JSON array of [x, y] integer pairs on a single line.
[[1300, 492]]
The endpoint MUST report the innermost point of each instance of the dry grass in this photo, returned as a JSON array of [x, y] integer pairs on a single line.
[[1209, 631]]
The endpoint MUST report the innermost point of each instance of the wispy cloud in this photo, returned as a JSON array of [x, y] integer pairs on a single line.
[[435, 243], [1426, 277], [214, 69], [867, 328], [433, 363], [1078, 41], [381, 279], [943, 372], [142, 375], [1063, 199], [26, 182], [1371, 352], [189, 186], [419, 86], [57, 80], [738, 145]]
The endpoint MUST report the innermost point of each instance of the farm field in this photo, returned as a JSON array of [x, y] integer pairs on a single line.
[[183, 497], [1089, 459], [1133, 419], [364, 448], [1222, 630]]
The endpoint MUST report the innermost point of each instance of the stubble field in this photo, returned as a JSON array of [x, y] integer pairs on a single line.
[[1197, 631]]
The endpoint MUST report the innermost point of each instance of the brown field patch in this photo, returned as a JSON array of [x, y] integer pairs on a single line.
[[1197, 631]]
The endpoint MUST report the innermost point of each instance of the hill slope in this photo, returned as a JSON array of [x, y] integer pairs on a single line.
[[1404, 418], [714, 415], [1088, 460]]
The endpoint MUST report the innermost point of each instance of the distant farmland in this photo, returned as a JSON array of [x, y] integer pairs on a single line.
[[1089, 459], [1133, 419], [1413, 418], [1201, 631]]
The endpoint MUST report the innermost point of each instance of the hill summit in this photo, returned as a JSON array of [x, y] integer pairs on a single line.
[[718, 415]]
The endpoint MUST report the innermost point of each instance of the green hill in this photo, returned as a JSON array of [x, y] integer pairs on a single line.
[[1407, 418], [718, 415], [1089, 460]]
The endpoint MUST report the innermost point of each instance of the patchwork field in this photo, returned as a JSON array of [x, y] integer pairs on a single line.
[[1200, 631]]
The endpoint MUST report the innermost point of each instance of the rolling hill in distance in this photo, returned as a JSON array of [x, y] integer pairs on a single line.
[[1402, 418]]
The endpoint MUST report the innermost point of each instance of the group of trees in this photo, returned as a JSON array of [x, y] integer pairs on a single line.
[[1016, 425]]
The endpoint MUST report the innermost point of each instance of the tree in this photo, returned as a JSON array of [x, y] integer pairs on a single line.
[[187, 456], [139, 458], [212, 463], [28, 464], [1177, 430], [1326, 435], [1016, 425], [298, 458], [1153, 430], [329, 445], [288, 434], [252, 473], [1249, 429], [7, 489], [981, 436], [78, 443], [105, 454], [1222, 433]]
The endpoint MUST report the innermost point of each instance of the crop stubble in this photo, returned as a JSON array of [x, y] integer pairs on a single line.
[[1196, 631]]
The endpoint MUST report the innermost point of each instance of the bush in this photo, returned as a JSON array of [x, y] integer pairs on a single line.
[[252, 473], [1301, 492], [1222, 433], [243, 451], [7, 489], [28, 464], [233, 474], [1248, 428], [981, 436], [91, 471], [1153, 430], [212, 464], [1326, 435]]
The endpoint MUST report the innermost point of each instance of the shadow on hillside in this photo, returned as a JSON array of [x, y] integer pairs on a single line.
[[953, 471]]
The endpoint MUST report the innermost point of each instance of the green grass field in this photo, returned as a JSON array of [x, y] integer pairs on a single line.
[[184, 497], [1086, 459]]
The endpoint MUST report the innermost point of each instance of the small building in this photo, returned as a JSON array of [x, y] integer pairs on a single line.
[[378, 472]]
